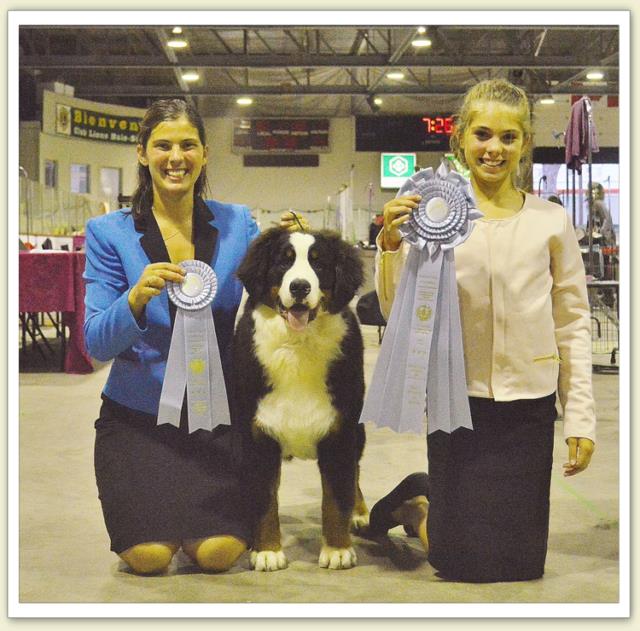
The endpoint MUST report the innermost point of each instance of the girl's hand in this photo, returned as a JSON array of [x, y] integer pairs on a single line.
[[288, 221], [151, 283], [396, 212], [580, 451]]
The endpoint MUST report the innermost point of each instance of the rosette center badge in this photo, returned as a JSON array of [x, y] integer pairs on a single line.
[[445, 211], [197, 290]]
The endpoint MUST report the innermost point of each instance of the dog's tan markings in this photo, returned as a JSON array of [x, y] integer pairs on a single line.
[[337, 553], [360, 516], [268, 530], [335, 524], [267, 535], [267, 554]]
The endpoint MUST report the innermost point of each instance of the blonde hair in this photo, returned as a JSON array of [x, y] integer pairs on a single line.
[[499, 91]]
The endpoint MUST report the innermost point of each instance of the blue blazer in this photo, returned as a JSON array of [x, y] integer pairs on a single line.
[[118, 248]]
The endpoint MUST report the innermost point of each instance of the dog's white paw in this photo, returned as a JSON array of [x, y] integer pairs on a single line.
[[268, 560], [359, 522], [337, 558]]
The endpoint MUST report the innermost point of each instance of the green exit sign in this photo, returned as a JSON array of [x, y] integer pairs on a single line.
[[395, 168]]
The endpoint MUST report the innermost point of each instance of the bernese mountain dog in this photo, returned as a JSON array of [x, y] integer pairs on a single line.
[[298, 383]]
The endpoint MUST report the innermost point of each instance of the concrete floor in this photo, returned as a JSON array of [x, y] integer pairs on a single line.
[[64, 552]]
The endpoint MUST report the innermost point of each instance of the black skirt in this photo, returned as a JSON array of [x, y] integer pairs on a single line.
[[489, 492], [160, 483]]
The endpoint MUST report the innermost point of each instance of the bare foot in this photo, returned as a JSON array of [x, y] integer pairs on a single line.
[[413, 513]]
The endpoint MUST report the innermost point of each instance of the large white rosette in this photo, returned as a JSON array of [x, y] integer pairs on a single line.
[[194, 358], [421, 354]]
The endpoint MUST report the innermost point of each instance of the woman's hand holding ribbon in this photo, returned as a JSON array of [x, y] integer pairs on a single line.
[[151, 283], [396, 212]]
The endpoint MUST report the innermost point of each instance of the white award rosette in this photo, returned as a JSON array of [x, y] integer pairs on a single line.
[[421, 359], [194, 358]]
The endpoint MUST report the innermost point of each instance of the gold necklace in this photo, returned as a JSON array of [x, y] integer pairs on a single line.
[[171, 236]]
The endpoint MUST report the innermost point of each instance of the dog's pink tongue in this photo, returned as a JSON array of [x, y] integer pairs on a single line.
[[298, 319]]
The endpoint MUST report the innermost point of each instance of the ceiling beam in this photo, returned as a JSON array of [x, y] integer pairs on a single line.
[[322, 39], [355, 47], [443, 41], [171, 57], [28, 62], [221, 40], [291, 36], [158, 91], [370, 44], [262, 40], [541, 39], [605, 64]]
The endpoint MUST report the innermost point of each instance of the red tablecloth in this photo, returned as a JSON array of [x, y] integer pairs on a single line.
[[52, 281]]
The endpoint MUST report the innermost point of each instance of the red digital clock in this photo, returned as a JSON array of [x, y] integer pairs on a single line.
[[439, 125]]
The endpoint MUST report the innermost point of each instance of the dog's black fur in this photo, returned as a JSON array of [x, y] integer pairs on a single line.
[[338, 273]]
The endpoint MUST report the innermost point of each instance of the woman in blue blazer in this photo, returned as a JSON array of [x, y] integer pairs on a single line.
[[162, 488]]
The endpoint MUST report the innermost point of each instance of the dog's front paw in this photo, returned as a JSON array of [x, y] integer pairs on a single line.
[[359, 522], [268, 560], [337, 558]]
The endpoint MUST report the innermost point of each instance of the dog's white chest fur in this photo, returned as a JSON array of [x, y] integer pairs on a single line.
[[298, 411]]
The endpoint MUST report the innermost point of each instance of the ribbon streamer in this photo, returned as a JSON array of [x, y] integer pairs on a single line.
[[421, 360], [194, 357]]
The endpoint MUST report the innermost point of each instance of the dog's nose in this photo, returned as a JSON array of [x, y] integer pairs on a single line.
[[299, 288]]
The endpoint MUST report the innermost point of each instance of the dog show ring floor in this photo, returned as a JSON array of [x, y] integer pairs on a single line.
[[64, 552]]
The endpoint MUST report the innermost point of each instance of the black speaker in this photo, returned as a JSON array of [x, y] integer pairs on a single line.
[[281, 160], [28, 103]]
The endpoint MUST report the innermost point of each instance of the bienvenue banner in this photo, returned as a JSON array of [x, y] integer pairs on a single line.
[[93, 125]]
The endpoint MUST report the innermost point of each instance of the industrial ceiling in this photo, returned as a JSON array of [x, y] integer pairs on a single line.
[[315, 70]]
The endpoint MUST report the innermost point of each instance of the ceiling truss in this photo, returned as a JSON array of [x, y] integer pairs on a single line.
[[134, 65]]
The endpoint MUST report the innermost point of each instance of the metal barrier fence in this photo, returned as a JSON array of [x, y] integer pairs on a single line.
[[51, 211], [604, 306]]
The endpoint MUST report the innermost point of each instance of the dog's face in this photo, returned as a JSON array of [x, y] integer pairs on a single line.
[[300, 274]]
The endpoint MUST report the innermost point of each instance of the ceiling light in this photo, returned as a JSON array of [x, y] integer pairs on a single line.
[[395, 75], [190, 76], [374, 102], [547, 100], [244, 100], [177, 42], [595, 75], [177, 30], [421, 42], [422, 30]]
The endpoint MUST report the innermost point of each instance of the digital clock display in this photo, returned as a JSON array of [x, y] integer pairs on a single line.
[[403, 133], [439, 125]]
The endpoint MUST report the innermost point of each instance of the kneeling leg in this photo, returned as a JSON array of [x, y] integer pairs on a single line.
[[214, 554], [151, 557]]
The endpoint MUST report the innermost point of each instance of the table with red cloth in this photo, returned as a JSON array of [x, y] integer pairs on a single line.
[[51, 281]]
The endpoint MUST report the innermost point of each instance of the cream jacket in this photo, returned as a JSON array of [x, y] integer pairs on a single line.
[[526, 323]]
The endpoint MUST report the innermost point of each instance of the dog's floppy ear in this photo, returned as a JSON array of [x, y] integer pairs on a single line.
[[349, 275], [254, 268]]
